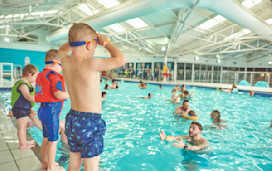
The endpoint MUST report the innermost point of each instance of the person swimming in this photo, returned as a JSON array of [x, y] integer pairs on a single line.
[[175, 97], [104, 94], [160, 86], [251, 93], [106, 86], [148, 97], [142, 85], [217, 121]]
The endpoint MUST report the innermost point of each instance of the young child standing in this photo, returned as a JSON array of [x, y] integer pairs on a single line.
[[84, 126], [50, 91], [22, 101]]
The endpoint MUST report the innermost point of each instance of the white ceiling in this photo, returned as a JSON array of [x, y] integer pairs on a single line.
[[30, 21]]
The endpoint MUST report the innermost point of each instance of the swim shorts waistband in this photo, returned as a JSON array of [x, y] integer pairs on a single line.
[[84, 114]]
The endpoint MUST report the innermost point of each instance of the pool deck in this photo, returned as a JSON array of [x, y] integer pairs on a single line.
[[257, 90], [11, 158]]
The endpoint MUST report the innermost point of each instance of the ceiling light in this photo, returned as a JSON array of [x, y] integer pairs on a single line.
[[137, 23], [86, 9], [163, 48], [269, 62], [6, 39], [218, 61], [251, 3], [108, 3], [117, 28], [196, 58], [269, 21]]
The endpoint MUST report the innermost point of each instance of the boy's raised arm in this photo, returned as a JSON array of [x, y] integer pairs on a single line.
[[116, 60]]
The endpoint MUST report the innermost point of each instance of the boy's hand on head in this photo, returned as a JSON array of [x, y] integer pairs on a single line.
[[102, 38]]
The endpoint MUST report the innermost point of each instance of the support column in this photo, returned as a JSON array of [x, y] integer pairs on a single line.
[[221, 74], [212, 75], [175, 70]]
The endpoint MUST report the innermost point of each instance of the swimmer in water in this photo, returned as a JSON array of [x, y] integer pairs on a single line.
[[194, 140], [217, 121], [184, 109], [175, 97], [104, 94], [148, 97]]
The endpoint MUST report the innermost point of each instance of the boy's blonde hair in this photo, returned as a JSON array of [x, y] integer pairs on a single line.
[[51, 55], [81, 32], [29, 69]]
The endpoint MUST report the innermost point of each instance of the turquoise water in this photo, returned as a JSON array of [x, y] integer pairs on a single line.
[[133, 124]]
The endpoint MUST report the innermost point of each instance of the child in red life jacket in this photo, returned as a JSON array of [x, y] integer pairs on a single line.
[[50, 92]]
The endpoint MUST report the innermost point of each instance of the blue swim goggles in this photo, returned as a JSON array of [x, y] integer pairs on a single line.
[[82, 42], [53, 62]]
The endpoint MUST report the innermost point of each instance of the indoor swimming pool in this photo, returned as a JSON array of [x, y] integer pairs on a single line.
[[133, 124]]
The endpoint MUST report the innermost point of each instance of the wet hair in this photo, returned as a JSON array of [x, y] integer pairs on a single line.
[[186, 92], [141, 82], [182, 86], [29, 69], [198, 125], [160, 85], [104, 93], [51, 55], [192, 113], [234, 86], [81, 32], [106, 86], [113, 81], [100, 80], [149, 94], [185, 101], [217, 114], [116, 85]]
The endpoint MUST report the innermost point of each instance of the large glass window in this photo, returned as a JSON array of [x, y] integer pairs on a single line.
[[180, 71], [197, 72], [216, 74], [188, 70]]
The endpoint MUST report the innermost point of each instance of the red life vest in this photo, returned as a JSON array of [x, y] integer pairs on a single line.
[[43, 87]]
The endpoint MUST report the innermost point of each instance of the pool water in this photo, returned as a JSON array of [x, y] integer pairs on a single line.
[[133, 124]]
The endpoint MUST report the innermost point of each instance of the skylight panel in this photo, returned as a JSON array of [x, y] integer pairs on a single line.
[[250, 3], [212, 22], [86, 9], [239, 34], [108, 3], [269, 21], [117, 28], [137, 23]]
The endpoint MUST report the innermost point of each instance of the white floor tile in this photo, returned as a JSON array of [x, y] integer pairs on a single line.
[[3, 146], [5, 156], [10, 166], [29, 164], [20, 154]]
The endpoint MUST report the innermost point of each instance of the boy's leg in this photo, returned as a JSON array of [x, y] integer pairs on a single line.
[[44, 153], [91, 164], [22, 124], [75, 161], [51, 154]]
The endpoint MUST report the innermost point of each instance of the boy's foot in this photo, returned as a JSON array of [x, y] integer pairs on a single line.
[[32, 142], [56, 168], [26, 146], [45, 165]]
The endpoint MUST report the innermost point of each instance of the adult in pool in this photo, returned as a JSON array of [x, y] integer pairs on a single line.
[[195, 141], [184, 109]]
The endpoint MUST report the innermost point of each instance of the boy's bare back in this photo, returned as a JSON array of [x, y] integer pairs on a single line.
[[81, 71]]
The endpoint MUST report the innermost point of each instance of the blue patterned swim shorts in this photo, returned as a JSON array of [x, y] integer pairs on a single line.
[[85, 133]]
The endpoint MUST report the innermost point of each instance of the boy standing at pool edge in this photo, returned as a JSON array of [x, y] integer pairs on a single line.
[[84, 126], [50, 91]]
